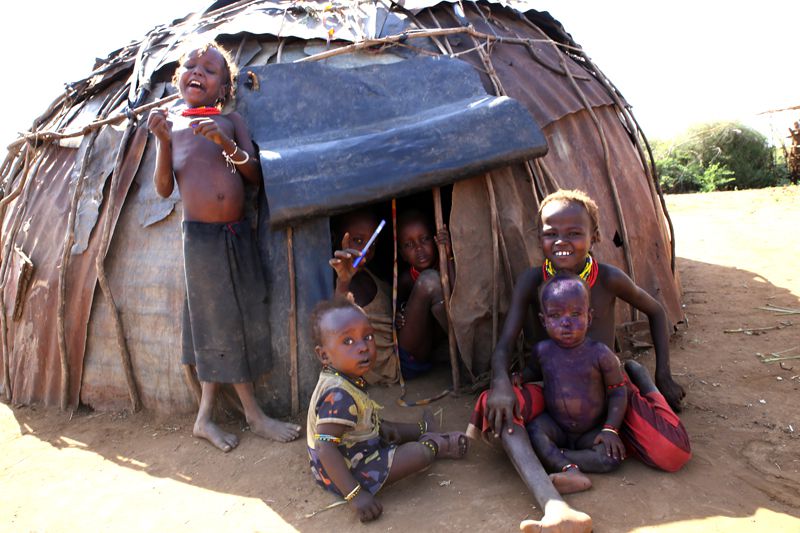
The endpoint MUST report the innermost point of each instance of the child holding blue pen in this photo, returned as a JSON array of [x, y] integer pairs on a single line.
[[355, 231]]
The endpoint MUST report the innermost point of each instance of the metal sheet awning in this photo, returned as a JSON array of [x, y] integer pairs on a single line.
[[333, 139]]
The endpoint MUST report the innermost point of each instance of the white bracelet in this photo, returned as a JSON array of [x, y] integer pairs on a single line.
[[232, 162]]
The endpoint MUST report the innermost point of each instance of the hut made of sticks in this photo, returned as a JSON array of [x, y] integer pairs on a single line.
[[351, 103]]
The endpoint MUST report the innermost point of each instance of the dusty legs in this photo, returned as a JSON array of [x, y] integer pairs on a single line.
[[423, 312], [260, 424], [558, 516]]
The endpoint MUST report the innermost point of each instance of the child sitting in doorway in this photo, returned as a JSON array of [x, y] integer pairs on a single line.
[[584, 390], [210, 155], [369, 291], [422, 318], [353, 452]]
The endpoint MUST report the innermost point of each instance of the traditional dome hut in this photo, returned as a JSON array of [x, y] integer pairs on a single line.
[[79, 210]]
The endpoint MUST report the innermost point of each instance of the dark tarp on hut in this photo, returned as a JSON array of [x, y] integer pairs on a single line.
[[594, 144], [356, 137]]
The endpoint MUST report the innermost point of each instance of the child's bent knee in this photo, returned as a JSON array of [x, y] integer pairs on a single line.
[[429, 281]]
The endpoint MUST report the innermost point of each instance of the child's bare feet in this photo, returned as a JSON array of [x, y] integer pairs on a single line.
[[272, 429], [558, 518], [573, 480], [215, 435]]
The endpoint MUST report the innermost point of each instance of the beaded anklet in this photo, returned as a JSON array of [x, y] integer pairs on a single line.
[[432, 446], [423, 427]]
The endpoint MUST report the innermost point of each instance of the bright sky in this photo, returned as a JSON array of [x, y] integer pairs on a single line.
[[678, 63]]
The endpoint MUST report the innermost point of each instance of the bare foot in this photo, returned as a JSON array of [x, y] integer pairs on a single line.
[[272, 429], [453, 445], [558, 518], [573, 480], [215, 435], [429, 421]]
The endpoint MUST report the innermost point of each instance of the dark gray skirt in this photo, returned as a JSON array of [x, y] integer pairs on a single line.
[[225, 329]]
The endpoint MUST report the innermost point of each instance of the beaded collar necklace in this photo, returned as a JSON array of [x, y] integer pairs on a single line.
[[414, 273], [359, 382], [202, 111], [588, 274]]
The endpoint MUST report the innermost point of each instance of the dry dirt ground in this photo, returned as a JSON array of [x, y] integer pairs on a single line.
[[738, 251]]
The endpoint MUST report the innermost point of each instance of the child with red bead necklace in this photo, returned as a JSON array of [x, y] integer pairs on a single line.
[[569, 226], [353, 452], [210, 156]]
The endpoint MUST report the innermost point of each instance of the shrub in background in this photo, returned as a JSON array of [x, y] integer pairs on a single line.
[[717, 156]]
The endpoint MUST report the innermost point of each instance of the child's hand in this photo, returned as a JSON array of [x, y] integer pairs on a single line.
[[443, 237], [400, 319], [342, 261], [367, 507], [209, 129], [613, 444], [501, 406], [159, 124]]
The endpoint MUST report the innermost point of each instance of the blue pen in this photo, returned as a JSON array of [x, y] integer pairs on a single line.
[[369, 243]]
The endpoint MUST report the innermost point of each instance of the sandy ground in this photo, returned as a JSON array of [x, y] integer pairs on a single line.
[[737, 251]]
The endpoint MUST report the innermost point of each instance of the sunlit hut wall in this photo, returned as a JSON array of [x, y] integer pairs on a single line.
[[83, 203]]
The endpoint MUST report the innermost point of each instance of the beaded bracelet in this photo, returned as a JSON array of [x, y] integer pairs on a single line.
[[423, 427], [327, 438], [618, 385], [353, 493], [571, 465], [612, 429]]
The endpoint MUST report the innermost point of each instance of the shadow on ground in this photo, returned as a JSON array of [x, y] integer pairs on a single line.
[[740, 413]]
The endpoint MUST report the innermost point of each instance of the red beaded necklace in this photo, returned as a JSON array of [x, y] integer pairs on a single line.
[[414, 273], [202, 111]]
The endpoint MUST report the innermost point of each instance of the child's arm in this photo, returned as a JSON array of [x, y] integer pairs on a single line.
[[617, 398], [235, 148], [342, 263], [501, 403], [533, 370], [625, 289], [161, 127], [364, 503], [251, 171]]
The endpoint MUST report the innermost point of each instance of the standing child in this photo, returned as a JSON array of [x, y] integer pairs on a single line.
[[569, 226], [422, 318], [353, 452], [225, 332]]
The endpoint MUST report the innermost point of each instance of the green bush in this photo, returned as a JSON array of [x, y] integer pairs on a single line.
[[717, 156]]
